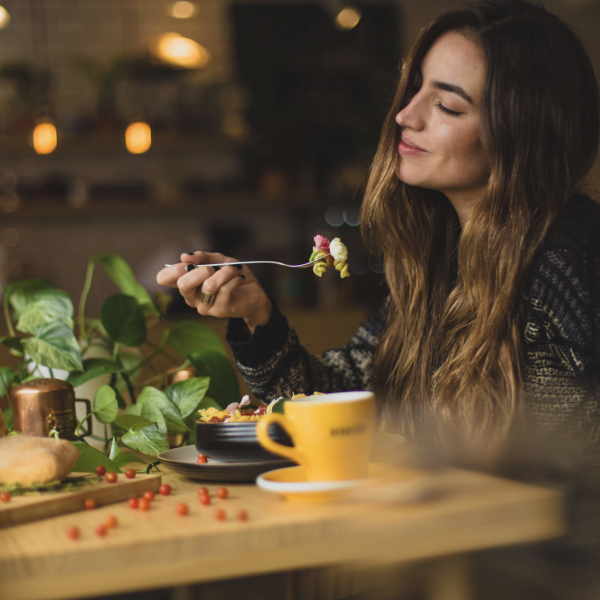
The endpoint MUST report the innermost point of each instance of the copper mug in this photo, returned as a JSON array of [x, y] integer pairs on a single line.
[[43, 405]]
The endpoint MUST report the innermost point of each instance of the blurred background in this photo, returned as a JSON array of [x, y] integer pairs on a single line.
[[148, 128]]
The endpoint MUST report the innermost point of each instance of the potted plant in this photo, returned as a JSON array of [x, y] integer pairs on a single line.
[[137, 408]]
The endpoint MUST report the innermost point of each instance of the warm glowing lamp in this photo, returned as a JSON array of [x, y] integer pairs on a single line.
[[183, 9], [44, 137], [183, 52], [4, 17], [348, 18], [138, 138]]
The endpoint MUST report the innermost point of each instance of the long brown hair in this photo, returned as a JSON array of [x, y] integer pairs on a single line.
[[450, 352]]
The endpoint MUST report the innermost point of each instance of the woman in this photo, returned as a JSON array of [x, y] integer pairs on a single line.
[[492, 253]]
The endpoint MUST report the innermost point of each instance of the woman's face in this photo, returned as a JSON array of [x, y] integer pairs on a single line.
[[441, 147]]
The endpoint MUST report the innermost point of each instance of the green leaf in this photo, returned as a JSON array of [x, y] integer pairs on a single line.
[[90, 458], [133, 409], [14, 343], [54, 346], [148, 440], [46, 306], [92, 368], [188, 394], [8, 417], [277, 407], [123, 319], [224, 386], [188, 337], [122, 275], [105, 404], [125, 458], [114, 450], [207, 402], [156, 398], [132, 422], [21, 293], [131, 362], [7, 378], [152, 412]]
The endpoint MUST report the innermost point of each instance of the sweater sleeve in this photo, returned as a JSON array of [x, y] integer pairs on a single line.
[[561, 338], [274, 363]]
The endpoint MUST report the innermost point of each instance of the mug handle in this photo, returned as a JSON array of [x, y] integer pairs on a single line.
[[262, 433], [88, 421]]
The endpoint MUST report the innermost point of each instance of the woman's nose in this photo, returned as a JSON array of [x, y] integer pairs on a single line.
[[410, 115]]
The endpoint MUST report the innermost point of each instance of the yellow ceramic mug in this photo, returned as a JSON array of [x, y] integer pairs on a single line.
[[332, 434]]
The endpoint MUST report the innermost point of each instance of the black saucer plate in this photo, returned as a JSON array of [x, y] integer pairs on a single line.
[[184, 461]]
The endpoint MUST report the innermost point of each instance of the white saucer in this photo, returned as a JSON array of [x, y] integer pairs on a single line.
[[292, 482]]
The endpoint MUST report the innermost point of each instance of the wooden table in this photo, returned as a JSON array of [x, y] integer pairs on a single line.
[[159, 548]]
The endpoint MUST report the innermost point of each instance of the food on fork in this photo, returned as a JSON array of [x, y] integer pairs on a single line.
[[338, 255]]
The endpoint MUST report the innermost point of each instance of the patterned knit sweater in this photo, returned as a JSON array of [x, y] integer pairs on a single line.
[[560, 364], [561, 336]]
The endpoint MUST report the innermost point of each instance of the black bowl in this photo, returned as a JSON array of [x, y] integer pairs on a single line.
[[237, 442]]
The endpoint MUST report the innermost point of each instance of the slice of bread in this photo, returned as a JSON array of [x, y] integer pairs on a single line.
[[26, 459]]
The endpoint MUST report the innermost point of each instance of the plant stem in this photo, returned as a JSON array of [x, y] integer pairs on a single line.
[[185, 364], [115, 350], [84, 294], [82, 421], [9, 325], [147, 361], [51, 372], [130, 387]]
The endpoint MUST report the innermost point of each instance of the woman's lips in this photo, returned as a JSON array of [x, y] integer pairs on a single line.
[[406, 149]]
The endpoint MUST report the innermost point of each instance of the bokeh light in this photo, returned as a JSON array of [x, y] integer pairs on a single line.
[[183, 9], [138, 137], [4, 18], [10, 237], [348, 18], [334, 216], [180, 51], [45, 138]]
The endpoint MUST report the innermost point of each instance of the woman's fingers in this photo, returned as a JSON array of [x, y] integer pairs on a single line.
[[222, 306], [170, 275]]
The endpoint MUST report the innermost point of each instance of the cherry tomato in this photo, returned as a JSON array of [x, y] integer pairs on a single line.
[[204, 499], [220, 514], [5, 497], [144, 504], [242, 515], [73, 532], [164, 489], [89, 504], [222, 493], [149, 495], [130, 473], [202, 459], [133, 502], [182, 508], [203, 490], [111, 522], [101, 530], [100, 470], [111, 477]]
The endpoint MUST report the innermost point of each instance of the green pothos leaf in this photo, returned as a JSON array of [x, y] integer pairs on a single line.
[[54, 346], [90, 458], [148, 440]]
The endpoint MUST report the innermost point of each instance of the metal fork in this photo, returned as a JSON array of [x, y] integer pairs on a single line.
[[262, 262]]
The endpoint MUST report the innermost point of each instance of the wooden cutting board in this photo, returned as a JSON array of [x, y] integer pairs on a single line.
[[22, 509]]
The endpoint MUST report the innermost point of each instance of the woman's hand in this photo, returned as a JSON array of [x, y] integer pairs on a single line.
[[238, 293]]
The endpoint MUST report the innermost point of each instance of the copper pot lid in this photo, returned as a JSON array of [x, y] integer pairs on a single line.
[[43, 386]]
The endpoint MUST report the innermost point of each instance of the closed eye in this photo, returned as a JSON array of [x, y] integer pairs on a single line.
[[447, 111]]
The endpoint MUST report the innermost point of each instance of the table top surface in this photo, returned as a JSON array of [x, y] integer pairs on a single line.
[[160, 548]]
